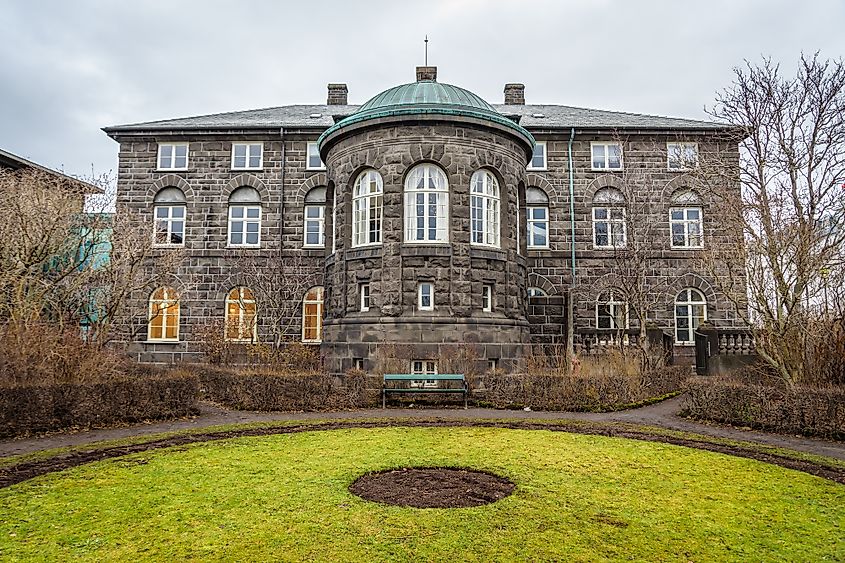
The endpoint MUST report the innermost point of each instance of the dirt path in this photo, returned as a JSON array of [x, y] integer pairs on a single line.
[[661, 415]]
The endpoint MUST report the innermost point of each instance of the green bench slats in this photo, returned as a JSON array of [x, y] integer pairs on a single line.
[[420, 377]]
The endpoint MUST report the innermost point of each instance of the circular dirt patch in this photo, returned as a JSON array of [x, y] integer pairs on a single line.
[[432, 487]]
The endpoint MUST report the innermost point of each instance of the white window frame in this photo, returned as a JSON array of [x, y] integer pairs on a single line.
[[689, 303], [173, 156], [316, 148], [606, 145], [487, 298], [440, 195], [169, 220], [367, 207], [249, 148], [321, 225], [423, 368], [174, 299], [420, 306], [536, 292], [610, 231], [364, 296], [545, 165], [686, 222], [680, 150], [531, 221], [320, 307], [245, 221], [485, 200], [241, 300], [613, 302]]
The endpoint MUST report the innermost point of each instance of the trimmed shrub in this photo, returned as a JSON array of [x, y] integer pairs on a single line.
[[26, 409], [810, 411], [268, 390]]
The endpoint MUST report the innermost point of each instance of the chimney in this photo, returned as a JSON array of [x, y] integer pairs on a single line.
[[337, 95], [515, 94], [428, 73]]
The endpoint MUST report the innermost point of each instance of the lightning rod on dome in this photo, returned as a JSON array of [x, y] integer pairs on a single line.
[[426, 50]]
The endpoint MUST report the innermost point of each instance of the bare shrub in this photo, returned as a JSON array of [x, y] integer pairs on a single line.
[[462, 358]]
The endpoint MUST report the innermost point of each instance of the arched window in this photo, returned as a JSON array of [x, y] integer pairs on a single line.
[[245, 217], [690, 311], [312, 315], [315, 218], [685, 220], [164, 315], [536, 292], [611, 310], [484, 208], [426, 205], [240, 315], [169, 213], [609, 229], [537, 207], [367, 209]]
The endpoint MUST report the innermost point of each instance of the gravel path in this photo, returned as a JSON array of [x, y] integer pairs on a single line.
[[661, 415]]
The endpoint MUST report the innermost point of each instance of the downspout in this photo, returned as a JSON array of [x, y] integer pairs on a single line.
[[570, 313], [279, 335]]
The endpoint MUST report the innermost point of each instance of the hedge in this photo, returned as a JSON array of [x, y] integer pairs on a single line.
[[41, 408], [809, 411]]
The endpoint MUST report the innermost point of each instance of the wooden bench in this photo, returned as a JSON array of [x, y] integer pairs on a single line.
[[419, 383]]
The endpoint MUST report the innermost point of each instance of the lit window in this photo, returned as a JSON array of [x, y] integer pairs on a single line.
[[169, 213], [685, 221], [164, 315], [609, 230], [484, 208], [245, 217], [487, 298], [426, 205], [314, 228], [314, 162], [425, 296], [247, 156], [538, 157], [173, 156], [690, 311], [423, 368], [364, 293], [312, 315], [240, 315], [538, 217], [606, 156], [682, 156], [367, 209], [611, 310], [536, 292]]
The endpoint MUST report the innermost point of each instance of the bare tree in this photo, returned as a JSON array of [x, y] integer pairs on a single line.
[[787, 219]]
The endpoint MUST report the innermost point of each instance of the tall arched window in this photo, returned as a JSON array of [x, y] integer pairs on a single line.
[[367, 209], [241, 315], [690, 311], [685, 220], [609, 230], [537, 210], [312, 315], [484, 208], [426, 205], [245, 217], [314, 228], [164, 315], [611, 310], [169, 212]]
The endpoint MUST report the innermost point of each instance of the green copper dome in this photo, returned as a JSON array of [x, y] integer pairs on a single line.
[[427, 97]]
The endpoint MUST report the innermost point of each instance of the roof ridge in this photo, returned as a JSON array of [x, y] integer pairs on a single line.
[[617, 112]]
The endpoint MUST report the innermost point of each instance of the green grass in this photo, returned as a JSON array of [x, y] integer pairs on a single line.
[[284, 497]]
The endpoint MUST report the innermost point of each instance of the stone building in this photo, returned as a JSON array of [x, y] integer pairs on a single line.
[[427, 219]]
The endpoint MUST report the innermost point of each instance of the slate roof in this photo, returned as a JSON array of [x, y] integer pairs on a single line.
[[300, 116]]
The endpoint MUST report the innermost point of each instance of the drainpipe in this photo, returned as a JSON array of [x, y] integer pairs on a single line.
[[570, 314]]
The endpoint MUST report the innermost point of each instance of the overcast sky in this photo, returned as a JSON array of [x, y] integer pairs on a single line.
[[70, 67]]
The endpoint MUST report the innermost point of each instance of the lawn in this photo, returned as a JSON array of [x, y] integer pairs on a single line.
[[285, 497]]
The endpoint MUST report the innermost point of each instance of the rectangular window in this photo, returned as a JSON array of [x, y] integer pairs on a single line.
[[169, 225], [538, 159], [487, 298], [682, 156], [364, 293], [244, 225], [315, 226], [173, 156], [358, 363], [609, 227], [247, 156], [538, 227], [606, 156], [313, 161], [425, 296], [685, 223], [493, 364], [423, 368]]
